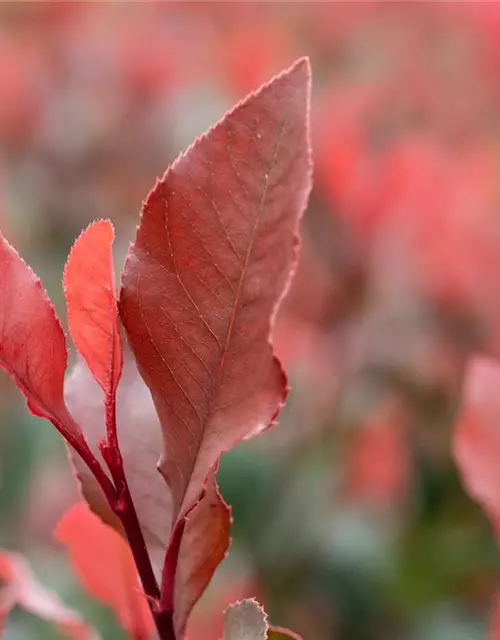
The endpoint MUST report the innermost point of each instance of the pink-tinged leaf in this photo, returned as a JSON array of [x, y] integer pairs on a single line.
[[139, 434], [104, 563], [21, 588], [278, 633], [32, 342], [89, 287], [203, 546], [477, 436], [213, 255], [245, 620]]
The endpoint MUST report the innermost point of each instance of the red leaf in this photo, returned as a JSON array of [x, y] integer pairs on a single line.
[[32, 342], [140, 449], [103, 561], [214, 251], [22, 589], [89, 287], [204, 545], [477, 436]]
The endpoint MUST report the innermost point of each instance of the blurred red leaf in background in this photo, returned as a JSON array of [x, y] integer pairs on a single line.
[[105, 566], [21, 589]]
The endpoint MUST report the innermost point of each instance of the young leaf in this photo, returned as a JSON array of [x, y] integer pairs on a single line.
[[477, 436], [203, 546], [32, 342], [139, 434], [103, 561], [89, 287], [245, 620], [214, 252], [21, 588]]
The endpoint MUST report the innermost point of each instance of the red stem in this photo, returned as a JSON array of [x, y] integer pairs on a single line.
[[124, 508]]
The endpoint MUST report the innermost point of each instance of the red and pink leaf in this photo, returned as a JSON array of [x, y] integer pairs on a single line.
[[32, 342], [214, 253], [21, 588], [89, 287], [104, 563]]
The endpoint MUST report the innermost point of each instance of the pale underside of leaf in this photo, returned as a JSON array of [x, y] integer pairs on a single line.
[[139, 434], [214, 252], [245, 620]]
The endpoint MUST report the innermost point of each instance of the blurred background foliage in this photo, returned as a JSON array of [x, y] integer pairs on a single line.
[[351, 521]]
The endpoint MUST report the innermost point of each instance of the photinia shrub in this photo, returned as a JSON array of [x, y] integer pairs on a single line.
[[176, 369]]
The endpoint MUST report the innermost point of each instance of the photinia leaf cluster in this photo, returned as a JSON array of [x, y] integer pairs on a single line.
[[176, 369]]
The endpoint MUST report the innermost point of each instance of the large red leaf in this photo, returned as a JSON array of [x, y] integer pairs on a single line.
[[89, 287], [477, 436], [32, 342], [104, 563], [203, 546], [214, 252], [21, 588]]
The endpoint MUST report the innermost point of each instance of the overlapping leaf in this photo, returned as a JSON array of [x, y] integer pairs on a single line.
[[213, 254]]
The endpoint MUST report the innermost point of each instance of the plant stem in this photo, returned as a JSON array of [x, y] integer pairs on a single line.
[[124, 508]]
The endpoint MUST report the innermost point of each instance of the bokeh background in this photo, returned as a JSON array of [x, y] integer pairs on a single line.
[[351, 521]]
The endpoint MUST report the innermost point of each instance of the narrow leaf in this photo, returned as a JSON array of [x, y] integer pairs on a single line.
[[32, 342], [104, 563], [21, 588], [245, 620], [204, 545], [89, 287], [214, 252]]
